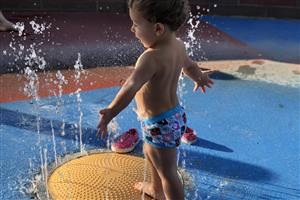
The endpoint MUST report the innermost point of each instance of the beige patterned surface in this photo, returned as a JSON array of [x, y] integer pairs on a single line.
[[98, 176], [287, 74]]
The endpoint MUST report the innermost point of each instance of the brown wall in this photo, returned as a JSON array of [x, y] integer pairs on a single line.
[[257, 8]]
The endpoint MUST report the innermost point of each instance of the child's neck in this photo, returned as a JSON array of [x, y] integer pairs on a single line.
[[164, 40]]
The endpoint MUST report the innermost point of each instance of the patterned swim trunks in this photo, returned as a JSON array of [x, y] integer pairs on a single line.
[[165, 130]]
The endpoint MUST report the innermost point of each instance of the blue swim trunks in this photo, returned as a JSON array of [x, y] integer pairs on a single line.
[[165, 130]]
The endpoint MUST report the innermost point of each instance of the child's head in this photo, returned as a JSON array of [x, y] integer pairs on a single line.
[[172, 13], [154, 20]]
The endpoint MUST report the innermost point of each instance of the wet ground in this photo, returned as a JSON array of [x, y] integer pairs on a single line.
[[248, 124]]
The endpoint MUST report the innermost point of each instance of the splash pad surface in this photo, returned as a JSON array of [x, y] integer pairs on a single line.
[[248, 127], [243, 151]]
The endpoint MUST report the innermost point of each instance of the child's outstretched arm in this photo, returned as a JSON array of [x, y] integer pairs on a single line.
[[143, 72], [193, 71]]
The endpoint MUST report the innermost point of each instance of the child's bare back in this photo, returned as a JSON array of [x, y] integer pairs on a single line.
[[159, 93]]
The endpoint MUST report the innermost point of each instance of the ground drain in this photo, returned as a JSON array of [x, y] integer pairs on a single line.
[[108, 176]]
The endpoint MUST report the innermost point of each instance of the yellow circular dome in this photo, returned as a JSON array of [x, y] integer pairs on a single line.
[[104, 176]]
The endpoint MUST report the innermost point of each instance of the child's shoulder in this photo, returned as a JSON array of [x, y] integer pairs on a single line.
[[149, 55], [180, 43], [147, 58], [156, 56]]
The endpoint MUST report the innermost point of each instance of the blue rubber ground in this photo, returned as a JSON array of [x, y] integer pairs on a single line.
[[248, 145], [274, 39]]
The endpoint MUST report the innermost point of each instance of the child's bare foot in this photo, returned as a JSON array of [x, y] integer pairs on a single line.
[[150, 190]]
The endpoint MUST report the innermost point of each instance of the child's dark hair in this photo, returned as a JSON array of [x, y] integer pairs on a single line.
[[170, 12]]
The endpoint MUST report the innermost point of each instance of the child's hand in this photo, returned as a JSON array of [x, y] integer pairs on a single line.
[[204, 81], [105, 118]]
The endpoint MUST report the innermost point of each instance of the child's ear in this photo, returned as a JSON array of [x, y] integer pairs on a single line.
[[159, 29]]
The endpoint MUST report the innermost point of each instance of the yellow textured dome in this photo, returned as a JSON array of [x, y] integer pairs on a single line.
[[104, 176]]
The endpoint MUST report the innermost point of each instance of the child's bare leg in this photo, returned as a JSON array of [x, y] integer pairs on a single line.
[[153, 188], [164, 161], [6, 25]]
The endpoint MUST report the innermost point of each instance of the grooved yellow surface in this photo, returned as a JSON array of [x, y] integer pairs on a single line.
[[108, 176]]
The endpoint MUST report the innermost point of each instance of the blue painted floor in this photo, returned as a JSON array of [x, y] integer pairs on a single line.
[[274, 39], [248, 145]]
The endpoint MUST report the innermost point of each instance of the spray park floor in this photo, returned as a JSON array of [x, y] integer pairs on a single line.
[[247, 125]]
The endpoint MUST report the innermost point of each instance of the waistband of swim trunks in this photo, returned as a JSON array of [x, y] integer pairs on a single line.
[[164, 115]]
